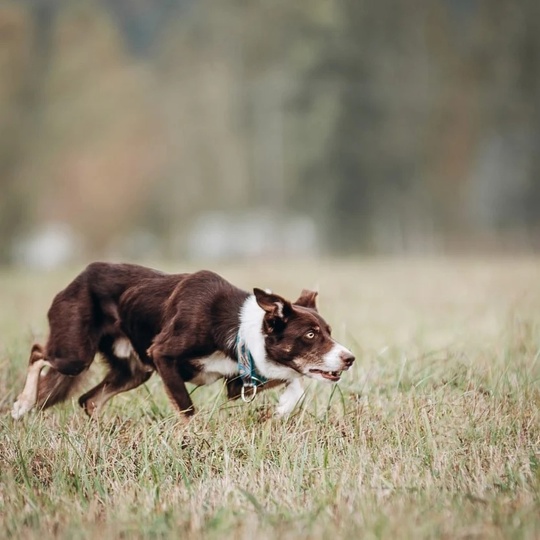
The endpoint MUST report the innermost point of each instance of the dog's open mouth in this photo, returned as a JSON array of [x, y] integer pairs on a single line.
[[330, 375]]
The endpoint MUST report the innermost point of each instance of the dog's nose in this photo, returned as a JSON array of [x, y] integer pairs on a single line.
[[347, 357]]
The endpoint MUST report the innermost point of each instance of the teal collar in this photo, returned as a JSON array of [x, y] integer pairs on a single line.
[[251, 378]]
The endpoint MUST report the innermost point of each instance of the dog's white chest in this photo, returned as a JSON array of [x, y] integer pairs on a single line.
[[213, 368]]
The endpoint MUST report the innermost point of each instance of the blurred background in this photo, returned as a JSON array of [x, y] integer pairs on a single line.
[[219, 129]]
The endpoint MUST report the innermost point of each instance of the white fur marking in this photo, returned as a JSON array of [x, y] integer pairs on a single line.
[[28, 397], [250, 332], [122, 348], [290, 398], [213, 368], [332, 359], [231, 341]]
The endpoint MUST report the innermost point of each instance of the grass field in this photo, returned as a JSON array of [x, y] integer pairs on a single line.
[[434, 434]]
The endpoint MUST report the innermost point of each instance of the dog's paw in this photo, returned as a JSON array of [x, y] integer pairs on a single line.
[[20, 408], [89, 407], [283, 412], [286, 408]]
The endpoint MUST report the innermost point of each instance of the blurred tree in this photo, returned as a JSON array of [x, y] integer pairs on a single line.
[[368, 63], [436, 105], [97, 146], [25, 48], [142, 22]]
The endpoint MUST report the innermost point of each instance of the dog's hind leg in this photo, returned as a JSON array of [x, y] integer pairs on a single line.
[[28, 397], [123, 375]]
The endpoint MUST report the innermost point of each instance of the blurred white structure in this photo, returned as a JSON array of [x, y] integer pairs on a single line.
[[219, 235], [52, 246]]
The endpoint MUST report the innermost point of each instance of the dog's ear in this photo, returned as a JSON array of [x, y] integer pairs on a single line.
[[278, 310], [307, 299]]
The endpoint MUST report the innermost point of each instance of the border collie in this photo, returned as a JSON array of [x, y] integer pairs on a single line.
[[195, 328]]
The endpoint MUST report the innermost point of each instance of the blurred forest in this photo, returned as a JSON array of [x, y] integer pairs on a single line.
[[209, 128]]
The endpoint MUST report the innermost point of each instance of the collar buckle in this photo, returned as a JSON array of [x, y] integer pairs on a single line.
[[251, 379]]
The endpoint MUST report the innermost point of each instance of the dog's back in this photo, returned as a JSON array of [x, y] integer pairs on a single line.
[[142, 307]]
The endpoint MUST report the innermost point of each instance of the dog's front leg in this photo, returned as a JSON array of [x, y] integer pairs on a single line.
[[175, 386], [234, 387], [290, 398]]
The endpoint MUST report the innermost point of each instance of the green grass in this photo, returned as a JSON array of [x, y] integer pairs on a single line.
[[434, 434]]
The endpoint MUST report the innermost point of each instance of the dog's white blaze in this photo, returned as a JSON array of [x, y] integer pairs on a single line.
[[122, 348], [332, 359], [250, 332], [290, 398], [214, 367]]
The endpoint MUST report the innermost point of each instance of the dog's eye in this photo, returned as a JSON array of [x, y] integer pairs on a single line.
[[310, 334]]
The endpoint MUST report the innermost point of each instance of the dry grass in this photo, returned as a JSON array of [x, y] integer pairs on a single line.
[[435, 433]]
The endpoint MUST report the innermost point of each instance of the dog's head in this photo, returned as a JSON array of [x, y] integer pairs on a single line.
[[298, 337]]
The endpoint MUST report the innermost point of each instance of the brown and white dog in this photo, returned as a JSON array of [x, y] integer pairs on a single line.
[[195, 328]]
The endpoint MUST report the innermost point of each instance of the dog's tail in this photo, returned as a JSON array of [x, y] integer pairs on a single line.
[[54, 387]]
